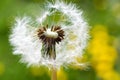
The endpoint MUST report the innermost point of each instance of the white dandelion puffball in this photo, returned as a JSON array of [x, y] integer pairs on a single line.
[[56, 37]]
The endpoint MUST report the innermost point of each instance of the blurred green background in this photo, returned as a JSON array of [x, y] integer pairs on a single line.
[[103, 51]]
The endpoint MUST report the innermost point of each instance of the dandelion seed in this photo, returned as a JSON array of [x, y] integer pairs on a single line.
[[60, 36]]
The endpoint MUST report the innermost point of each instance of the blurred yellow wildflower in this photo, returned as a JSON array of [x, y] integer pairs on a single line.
[[61, 75], [40, 71], [2, 68], [103, 54], [37, 71]]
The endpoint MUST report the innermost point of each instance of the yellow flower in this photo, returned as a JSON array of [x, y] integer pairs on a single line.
[[103, 54], [61, 75], [111, 75], [2, 68], [37, 71], [40, 71]]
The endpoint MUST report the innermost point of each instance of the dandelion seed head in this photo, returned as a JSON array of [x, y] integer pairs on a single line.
[[28, 43], [49, 33]]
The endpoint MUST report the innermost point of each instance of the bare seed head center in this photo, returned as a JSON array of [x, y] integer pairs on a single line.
[[50, 34], [49, 38]]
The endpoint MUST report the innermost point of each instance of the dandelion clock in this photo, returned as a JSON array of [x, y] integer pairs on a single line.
[[54, 38]]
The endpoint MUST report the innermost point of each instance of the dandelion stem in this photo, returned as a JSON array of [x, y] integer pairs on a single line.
[[54, 73], [53, 69]]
